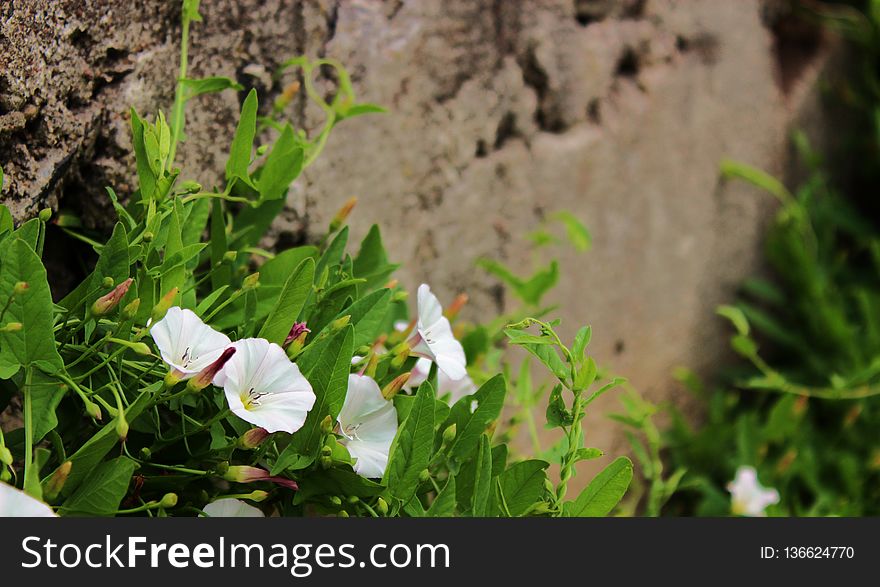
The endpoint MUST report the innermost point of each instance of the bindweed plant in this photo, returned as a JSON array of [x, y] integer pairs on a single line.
[[193, 373], [806, 417]]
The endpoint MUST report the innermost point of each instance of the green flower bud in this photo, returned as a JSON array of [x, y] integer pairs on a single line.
[[92, 409], [169, 500], [229, 256], [148, 236], [166, 302], [340, 323], [45, 214], [56, 481], [449, 434], [326, 462], [353, 499], [327, 424], [190, 187], [12, 327], [146, 454], [342, 514], [334, 499], [20, 287], [250, 282], [131, 309], [382, 506], [424, 475], [326, 451], [121, 427], [107, 282], [258, 495], [5, 456], [400, 295]]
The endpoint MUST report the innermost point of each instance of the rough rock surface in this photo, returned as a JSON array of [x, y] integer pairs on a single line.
[[500, 113]]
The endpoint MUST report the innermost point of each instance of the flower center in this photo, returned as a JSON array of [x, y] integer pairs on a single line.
[[187, 358], [350, 431], [251, 399]]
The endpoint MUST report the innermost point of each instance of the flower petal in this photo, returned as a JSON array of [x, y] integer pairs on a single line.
[[362, 397], [15, 503], [430, 310], [186, 343], [372, 458], [263, 387], [229, 507]]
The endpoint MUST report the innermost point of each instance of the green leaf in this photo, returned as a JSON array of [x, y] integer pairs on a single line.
[[221, 273], [368, 315], [46, 394], [471, 424], [336, 481], [519, 337], [101, 492], [411, 450], [521, 486], [326, 365], [577, 233], [87, 457], [371, 262], [283, 165], [443, 505], [603, 493], [6, 223], [276, 270], [736, 317], [243, 141], [757, 178], [482, 478], [558, 414], [208, 85], [34, 343], [587, 454], [581, 340], [146, 177], [290, 302]]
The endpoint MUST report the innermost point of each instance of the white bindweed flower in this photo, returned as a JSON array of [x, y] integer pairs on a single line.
[[264, 387], [15, 503], [187, 344], [748, 496], [456, 389], [368, 423], [433, 337], [229, 507]]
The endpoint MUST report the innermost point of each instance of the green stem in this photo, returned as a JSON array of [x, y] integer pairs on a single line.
[[179, 102], [31, 477]]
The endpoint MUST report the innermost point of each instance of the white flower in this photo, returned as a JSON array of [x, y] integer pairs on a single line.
[[368, 423], [748, 496], [264, 388], [456, 389], [187, 344], [15, 503], [433, 336], [229, 507]]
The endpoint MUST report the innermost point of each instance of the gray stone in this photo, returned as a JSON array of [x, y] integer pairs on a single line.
[[499, 114]]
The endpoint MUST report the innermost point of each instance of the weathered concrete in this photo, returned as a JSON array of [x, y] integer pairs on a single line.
[[500, 112]]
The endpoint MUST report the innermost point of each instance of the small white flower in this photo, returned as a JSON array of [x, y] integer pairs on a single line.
[[748, 496], [433, 337], [15, 503], [264, 387], [456, 389], [229, 507], [368, 423], [187, 344]]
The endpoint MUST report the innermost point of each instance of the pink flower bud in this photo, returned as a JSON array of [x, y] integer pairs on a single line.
[[109, 301], [297, 332], [253, 438], [246, 474], [206, 375]]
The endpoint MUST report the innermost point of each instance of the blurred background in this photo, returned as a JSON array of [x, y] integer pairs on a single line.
[[509, 118]]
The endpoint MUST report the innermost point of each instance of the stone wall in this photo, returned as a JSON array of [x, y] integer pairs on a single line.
[[500, 113]]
